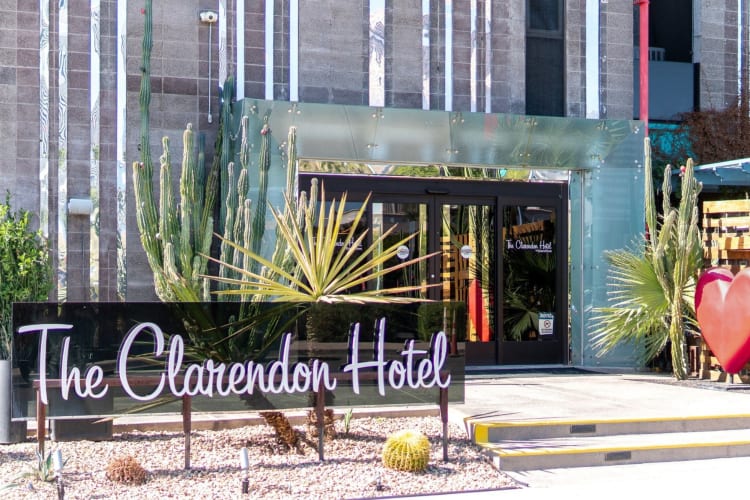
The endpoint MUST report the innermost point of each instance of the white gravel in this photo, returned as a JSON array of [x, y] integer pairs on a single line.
[[351, 470]]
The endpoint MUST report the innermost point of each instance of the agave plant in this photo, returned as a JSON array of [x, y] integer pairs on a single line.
[[333, 263], [652, 284]]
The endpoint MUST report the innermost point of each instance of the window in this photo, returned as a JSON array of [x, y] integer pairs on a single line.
[[545, 58], [544, 17]]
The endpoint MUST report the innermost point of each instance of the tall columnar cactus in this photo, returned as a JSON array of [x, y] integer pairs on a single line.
[[176, 236], [177, 233], [243, 223], [282, 257], [676, 252], [264, 163]]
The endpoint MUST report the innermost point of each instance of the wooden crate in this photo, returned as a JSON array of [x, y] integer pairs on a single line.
[[726, 234], [710, 368], [726, 243]]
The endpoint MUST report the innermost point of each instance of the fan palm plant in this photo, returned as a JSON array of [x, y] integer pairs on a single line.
[[327, 262], [652, 285]]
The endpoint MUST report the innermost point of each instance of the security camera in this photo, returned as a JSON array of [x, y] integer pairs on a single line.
[[208, 16]]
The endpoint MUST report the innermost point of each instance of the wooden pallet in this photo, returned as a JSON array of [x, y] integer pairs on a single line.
[[710, 368], [726, 234], [726, 243]]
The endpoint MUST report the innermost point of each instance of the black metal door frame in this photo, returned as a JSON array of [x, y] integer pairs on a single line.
[[440, 191]]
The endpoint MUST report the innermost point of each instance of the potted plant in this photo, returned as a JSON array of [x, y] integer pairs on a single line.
[[25, 276]]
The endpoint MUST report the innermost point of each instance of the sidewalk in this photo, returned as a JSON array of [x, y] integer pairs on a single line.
[[547, 397], [544, 396]]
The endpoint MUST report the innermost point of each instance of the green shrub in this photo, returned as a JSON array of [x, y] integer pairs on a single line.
[[25, 270]]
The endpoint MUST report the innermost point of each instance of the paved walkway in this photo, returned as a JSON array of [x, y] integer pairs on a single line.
[[593, 396], [544, 397]]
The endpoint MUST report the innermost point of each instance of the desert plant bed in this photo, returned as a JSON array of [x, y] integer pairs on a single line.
[[353, 467]]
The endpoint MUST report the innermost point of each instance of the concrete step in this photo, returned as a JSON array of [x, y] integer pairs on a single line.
[[592, 450], [496, 432]]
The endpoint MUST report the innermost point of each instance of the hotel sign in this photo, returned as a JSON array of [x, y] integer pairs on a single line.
[[89, 352]]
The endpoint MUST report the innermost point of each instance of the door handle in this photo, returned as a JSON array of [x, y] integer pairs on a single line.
[[436, 191]]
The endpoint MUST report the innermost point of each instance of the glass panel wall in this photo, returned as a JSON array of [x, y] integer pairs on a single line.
[[604, 158]]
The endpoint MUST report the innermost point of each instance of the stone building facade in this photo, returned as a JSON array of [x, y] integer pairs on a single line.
[[70, 77]]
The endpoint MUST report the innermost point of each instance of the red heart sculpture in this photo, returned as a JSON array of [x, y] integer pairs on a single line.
[[722, 306]]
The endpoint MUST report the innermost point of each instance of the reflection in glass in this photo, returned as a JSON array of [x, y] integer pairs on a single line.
[[468, 278], [409, 218], [529, 273]]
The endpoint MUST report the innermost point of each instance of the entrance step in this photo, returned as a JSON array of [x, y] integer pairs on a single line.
[[516, 446]]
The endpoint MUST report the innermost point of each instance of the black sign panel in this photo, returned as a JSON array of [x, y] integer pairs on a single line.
[[106, 359]]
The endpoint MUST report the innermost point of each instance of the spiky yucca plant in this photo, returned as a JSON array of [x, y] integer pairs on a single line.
[[332, 263], [652, 284]]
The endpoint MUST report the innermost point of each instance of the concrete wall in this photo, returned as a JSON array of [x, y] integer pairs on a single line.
[[718, 54], [616, 56]]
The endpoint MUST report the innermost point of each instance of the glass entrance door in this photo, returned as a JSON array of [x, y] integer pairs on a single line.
[[468, 274], [461, 277], [500, 263], [530, 284]]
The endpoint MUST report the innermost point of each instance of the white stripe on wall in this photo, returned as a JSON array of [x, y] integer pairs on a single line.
[[376, 73], [240, 32], [488, 56], [222, 43], [62, 152], [294, 50], [94, 87], [740, 45], [44, 117], [473, 56], [269, 49], [425, 54], [592, 59], [122, 35], [448, 55]]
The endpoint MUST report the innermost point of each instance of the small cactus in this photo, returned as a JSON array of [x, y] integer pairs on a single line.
[[407, 450], [126, 470]]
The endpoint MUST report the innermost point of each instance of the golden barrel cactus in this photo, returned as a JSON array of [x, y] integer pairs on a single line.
[[406, 450]]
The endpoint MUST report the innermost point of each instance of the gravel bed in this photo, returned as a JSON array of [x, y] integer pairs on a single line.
[[352, 468]]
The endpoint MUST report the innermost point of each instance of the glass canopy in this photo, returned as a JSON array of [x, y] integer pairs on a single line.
[[601, 159]]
